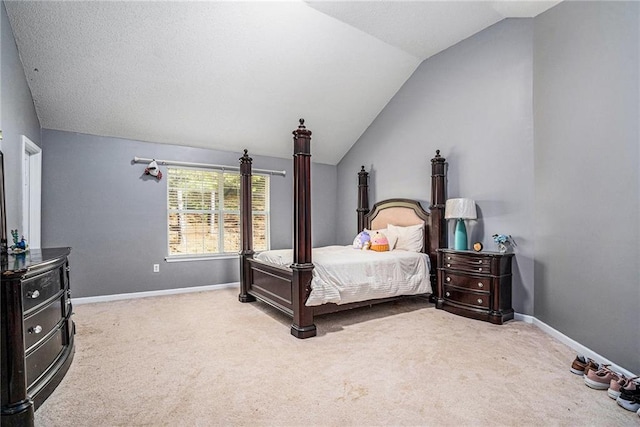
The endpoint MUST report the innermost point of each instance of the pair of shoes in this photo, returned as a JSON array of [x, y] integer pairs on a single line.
[[602, 378], [578, 365], [581, 365], [629, 397], [591, 366], [616, 385]]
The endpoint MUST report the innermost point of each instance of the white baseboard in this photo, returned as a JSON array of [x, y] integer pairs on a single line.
[[576, 346], [132, 295]]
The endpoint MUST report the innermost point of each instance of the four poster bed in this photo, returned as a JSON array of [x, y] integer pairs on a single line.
[[288, 280]]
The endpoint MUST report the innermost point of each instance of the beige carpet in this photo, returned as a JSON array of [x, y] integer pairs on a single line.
[[205, 359]]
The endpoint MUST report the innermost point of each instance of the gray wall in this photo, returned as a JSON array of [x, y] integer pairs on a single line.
[[586, 167], [99, 203], [18, 117], [573, 189], [474, 102]]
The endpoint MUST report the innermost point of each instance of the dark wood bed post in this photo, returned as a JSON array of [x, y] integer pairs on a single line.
[[438, 229], [246, 250], [363, 197], [302, 267]]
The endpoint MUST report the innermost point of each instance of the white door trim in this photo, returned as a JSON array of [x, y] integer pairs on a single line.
[[31, 192]]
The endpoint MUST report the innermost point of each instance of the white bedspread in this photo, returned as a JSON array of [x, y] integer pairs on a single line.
[[343, 274]]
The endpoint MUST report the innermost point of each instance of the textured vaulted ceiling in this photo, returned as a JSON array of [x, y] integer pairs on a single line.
[[233, 75]]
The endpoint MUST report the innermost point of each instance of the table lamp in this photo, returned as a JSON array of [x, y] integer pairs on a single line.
[[460, 209]]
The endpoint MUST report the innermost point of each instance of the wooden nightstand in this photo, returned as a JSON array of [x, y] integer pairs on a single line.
[[475, 284]]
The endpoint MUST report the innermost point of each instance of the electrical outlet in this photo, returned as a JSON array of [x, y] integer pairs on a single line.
[[156, 268]]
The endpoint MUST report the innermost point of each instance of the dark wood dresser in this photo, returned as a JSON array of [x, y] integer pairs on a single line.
[[37, 331], [475, 284]]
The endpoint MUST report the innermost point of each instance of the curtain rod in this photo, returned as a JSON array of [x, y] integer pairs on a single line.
[[137, 159]]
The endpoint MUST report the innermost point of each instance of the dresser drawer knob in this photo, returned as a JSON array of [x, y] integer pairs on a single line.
[[480, 285], [35, 329], [448, 265], [480, 269], [449, 258], [448, 294], [33, 294], [479, 301], [479, 261], [448, 279]]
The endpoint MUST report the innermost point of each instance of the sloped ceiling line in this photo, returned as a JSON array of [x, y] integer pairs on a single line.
[[230, 75]]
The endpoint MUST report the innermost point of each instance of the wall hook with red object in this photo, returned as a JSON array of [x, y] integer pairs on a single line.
[[153, 170]]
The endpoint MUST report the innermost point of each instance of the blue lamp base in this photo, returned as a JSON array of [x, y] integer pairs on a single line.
[[460, 236]]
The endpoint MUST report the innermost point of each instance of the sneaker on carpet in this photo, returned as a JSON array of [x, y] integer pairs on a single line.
[[591, 365], [577, 367], [629, 397], [601, 379], [616, 385]]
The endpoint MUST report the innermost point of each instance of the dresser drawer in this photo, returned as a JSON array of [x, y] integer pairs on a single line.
[[43, 357], [38, 325], [38, 289], [480, 300], [479, 283], [469, 263]]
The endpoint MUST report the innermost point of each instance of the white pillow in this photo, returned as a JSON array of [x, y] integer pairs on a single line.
[[409, 238], [391, 235]]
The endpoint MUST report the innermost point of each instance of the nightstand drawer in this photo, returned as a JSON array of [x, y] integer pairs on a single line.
[[468, 282], [470, 263], [468, 298]]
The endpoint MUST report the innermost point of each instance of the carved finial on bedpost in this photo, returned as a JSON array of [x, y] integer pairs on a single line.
[[363, 197], [301, 131], [245, 157]]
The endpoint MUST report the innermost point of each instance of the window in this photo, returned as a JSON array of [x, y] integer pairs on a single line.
[[203, 211]]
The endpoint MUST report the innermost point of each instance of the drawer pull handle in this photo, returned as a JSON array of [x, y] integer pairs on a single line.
[[35, 329], [479, 261], [448, 265], [448, 279], [448, 294], [480, 285], [480, 269], [33, 294], [449, 258], [479, 301]]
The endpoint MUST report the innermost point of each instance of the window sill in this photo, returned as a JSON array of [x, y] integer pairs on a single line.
[[200, 258]]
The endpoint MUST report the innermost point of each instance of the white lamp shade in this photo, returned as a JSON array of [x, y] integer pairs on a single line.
[[460, 208]]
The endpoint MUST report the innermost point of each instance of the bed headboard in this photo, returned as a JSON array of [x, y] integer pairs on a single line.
[[400, 212]]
